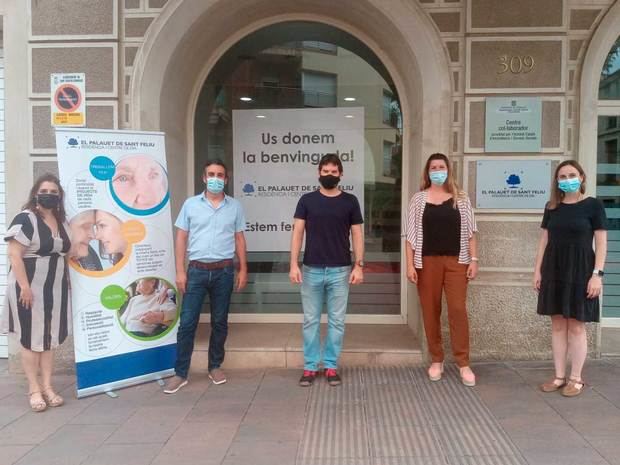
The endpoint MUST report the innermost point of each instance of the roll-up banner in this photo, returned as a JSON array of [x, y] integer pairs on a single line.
[[125, 305]]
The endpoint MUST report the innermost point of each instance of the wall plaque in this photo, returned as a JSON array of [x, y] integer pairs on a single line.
[[512, 184]]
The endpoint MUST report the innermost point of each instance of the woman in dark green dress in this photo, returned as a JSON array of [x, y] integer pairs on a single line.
[[569, 272]]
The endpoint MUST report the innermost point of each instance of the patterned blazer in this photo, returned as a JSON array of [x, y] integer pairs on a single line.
[[415, 233]]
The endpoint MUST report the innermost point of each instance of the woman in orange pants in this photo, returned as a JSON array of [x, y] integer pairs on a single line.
[[441, 257]]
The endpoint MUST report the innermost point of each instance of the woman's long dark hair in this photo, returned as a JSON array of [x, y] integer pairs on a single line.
[[59, 213], [556, 194]]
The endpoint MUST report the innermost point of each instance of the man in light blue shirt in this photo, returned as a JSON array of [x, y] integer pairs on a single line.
[[210, 231]]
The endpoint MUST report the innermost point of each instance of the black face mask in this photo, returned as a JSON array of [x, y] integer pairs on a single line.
[[329, 181], [49, 201]]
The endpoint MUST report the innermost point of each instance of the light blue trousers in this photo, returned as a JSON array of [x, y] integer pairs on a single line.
[[320, 286]]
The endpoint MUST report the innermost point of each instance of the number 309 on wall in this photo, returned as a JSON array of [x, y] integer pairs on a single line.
[[515, 64]]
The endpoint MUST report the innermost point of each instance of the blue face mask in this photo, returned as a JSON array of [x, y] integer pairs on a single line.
[[569, 185], [215, 185], [438, 177]]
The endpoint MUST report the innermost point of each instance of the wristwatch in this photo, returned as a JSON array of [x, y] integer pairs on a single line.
[[360, 263], [598, 273]]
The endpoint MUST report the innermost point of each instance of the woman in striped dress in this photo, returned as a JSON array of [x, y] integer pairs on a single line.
[[37, 306], [441, 257]]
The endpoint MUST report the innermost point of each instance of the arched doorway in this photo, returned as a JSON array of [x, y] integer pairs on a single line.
[[184, 44], [600, 154], [274, 103]]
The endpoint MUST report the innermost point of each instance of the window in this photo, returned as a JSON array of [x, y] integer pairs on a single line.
[[609, 86], [261, 74], [391, 110], [387, 158], [317, 46], [608, 175], [319, 89]]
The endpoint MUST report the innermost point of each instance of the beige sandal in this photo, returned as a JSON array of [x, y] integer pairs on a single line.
[[37, 405], [571, 389], [552, 386], [52, 399]]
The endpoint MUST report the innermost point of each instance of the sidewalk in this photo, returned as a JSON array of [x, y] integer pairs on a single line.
[[380, 416]]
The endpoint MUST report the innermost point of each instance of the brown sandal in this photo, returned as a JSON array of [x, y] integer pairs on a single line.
[[571, 389], [39, 405], [552, 386], [52, 399]]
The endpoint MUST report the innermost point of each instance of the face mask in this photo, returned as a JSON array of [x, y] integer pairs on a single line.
[[49, 201], [438, 177], [215, 185], [329, 181], [569, 185]]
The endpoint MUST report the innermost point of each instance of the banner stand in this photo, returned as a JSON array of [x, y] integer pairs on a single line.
[[124, 301]]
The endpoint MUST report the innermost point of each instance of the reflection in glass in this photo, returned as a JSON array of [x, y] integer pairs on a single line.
[[311, 65], [609, 87], [608, 191]]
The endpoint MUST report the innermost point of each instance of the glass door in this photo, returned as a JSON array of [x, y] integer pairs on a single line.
[[305, 69]]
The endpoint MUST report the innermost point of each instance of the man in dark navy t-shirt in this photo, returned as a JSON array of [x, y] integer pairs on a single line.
[[327, 217]]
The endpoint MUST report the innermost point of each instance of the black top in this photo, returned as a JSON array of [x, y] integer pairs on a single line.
[[575, 223], [442, 229], [328, 224], [568, 260]]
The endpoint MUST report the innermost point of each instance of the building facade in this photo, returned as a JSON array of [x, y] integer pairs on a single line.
[[421, 69]]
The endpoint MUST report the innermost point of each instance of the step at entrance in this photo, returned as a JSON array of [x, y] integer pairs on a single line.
[[279, 345]]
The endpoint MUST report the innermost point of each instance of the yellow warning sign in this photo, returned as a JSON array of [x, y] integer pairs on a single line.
[[68, 99]]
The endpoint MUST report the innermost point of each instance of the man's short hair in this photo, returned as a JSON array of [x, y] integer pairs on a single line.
[[215, 161], [331, 159]]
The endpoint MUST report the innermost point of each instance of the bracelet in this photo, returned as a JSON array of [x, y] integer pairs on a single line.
[[474, 259]]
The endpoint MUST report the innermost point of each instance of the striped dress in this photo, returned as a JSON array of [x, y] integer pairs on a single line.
[[47, 324], [415, 234]]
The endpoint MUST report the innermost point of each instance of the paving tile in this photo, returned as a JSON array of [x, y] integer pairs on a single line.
[[124, 454], [409, 461], [610, 391], [269, 431], [11, 454], [10, 386], [194, 443], [33, 428], [566, 458], [218, 412], [608, 446], [13, 407], [589, 413], [149, 425], [69, 445], [496, 373], [403, 441], [486, 460], [261, 453], [556, 447], [467, 439], [335, 461], [108, 410]]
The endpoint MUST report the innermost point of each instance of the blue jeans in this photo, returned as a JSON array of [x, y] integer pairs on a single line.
[[219, 284], [320, 285]]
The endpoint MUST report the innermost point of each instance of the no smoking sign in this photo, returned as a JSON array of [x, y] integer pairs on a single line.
[[68, 107]]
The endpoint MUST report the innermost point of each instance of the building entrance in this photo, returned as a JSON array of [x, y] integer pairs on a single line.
[[271, 106]]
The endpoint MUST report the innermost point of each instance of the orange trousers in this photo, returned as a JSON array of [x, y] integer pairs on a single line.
[[444, 273]]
